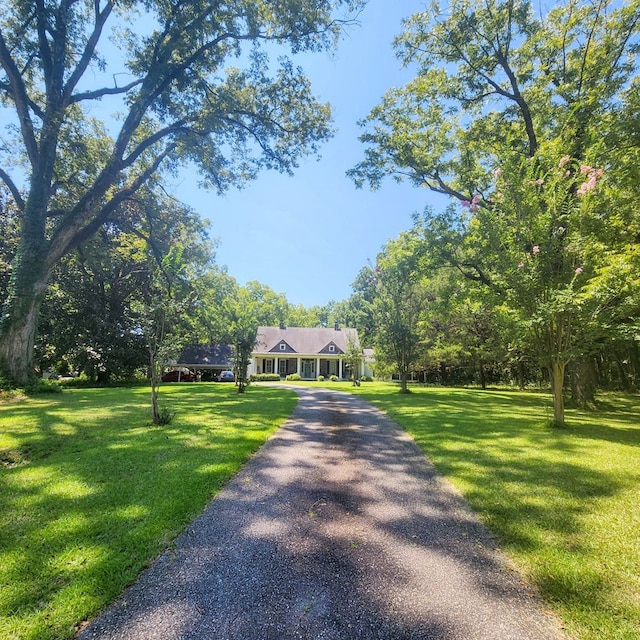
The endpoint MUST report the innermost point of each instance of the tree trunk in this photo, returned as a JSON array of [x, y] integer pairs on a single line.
[[583, 383], [20, 311], [556, 373], [403, 382], [483, 377], [521, 375]]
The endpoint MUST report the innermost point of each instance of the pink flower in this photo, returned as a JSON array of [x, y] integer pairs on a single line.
[[579, 270], [498, 172], [536, 250], [539, 182], [564, 160], [465, 203], [520, 265], [561, 229], [593, 176]]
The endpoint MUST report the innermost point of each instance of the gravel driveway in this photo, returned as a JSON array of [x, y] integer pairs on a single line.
[[339, 528]]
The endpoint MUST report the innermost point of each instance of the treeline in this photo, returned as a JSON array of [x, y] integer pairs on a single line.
[[149, 278]]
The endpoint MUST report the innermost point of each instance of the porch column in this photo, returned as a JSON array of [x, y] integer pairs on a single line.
[[317, 367], [299, 360], [340, 369], [277, 366]]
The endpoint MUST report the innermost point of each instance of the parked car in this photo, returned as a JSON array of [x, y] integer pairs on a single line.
[[226, 376], [178, 375]]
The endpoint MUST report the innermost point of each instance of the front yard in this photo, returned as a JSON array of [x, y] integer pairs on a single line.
[[91, 492]]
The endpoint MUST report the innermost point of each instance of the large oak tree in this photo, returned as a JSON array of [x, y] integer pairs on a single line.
[[166, 67]]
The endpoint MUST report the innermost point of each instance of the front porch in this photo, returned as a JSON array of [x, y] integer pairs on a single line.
[[307, 368]]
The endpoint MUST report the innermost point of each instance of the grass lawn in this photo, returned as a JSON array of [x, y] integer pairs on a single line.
[[91, 492], [564, 503]]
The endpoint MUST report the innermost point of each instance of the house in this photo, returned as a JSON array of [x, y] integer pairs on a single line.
[[309, 352]]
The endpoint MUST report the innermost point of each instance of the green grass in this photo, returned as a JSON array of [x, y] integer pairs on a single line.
[[91, 492], [564, 503]]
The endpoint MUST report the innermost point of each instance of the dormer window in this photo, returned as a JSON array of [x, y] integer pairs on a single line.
[[283, 346], [332, 348]]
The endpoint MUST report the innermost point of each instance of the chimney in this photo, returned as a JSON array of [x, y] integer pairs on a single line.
[[336, 326], [282, 325]]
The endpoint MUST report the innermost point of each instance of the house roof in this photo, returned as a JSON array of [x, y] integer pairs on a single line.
[[304, 340], [214, 356]]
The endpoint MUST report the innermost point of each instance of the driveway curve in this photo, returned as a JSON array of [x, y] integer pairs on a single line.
[[338, 528]]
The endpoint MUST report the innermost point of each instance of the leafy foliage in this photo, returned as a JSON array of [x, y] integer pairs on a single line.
[[181, 101], [518, 118]]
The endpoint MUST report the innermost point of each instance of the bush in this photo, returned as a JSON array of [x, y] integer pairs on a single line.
[[293, 377], [264, 377], [79, 382], [334, 378], [6, 384], [39, 387], [165, 416], [366, 379], [320, 378]]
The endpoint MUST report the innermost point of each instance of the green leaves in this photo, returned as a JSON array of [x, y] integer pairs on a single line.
[[530, 123]]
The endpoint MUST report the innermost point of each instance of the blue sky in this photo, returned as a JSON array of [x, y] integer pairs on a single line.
[[307, 236]]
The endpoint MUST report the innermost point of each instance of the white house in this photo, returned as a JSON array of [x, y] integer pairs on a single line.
[[309, 352]]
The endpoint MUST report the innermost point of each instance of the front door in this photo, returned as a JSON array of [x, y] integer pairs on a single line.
[[307, 369]]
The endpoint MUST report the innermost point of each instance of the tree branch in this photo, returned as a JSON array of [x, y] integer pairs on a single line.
[[101, 18], [106, 91], [21, 99], [17, 197]]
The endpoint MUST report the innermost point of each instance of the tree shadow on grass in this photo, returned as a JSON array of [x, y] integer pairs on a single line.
[[97, 492], [338, 529], [536, 487]]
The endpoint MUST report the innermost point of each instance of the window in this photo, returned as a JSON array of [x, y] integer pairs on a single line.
[[283, 346], [332, 348]]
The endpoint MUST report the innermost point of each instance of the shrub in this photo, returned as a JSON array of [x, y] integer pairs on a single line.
[[264, 377], [165, 416], [293, 377], [320, 378], [366, 379], [333, 378], [79, 382], [38, 387], [6, 383]]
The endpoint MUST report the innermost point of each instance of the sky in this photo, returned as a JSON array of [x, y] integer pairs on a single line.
[[308, 236]]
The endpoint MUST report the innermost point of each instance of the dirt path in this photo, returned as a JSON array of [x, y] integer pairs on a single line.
[[337, 529]]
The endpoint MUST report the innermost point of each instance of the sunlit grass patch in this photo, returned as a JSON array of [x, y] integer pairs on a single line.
[[563, 502], [91, 491]]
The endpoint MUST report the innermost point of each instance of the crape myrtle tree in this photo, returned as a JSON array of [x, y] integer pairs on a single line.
[[178, 96], [506, 116], [242, 311], [354, 357], [162, 312]]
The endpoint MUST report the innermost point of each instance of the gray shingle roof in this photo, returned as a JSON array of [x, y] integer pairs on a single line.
[[207, 355], [303, 340]]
